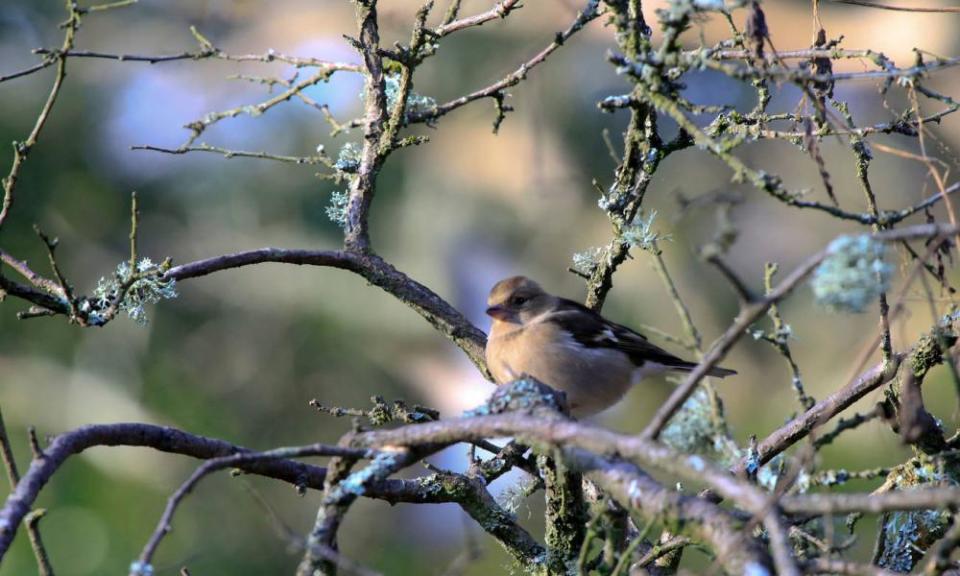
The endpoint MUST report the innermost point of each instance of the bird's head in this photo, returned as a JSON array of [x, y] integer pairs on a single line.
[[517, 300]]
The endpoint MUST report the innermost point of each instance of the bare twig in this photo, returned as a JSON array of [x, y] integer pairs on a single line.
[[752, 312], [499, 11], [204, 53], [228, 153], [232, 460], [22, 149], [897, 7], [496, 90], [822, 411]]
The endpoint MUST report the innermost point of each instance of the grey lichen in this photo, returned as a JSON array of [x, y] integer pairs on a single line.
[[832, 477], [853, 274], [904, 533]]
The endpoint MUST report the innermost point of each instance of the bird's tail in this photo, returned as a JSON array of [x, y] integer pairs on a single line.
[[715, 371]]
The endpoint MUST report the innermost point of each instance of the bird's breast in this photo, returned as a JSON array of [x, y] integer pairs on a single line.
[[592, 378]]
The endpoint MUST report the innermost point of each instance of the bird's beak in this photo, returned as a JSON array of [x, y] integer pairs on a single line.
[[498, 312]]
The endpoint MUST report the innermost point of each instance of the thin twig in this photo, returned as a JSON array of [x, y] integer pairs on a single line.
[[752, 312], [897, 7], [210, 466], [22, 149]]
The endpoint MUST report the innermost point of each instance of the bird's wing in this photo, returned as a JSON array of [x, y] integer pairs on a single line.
[[592, 330]]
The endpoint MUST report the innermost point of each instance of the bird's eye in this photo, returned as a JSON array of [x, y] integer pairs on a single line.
[[519, 300]]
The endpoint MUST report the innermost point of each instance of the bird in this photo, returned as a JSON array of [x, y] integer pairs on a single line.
[[570, 347]]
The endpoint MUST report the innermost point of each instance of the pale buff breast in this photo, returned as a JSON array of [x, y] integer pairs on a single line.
[[593, 379]]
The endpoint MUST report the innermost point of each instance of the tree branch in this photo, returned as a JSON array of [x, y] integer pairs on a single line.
[[160, 438], [440, 314]]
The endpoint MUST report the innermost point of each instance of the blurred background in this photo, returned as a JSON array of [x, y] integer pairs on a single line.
[[239, 354]]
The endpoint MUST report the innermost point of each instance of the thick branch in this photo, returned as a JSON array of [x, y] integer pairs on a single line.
[[556, 432], [158, 437], [473, 497], [822, 412], [635, 490], [872, 503], [363, 185]]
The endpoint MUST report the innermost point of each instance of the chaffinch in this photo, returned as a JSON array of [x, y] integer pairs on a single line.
[[569, 347]]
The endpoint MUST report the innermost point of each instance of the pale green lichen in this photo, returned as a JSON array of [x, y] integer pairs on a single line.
[[138, 568], [908, 535], [929, 349], [853, 274], [695, 430], [680, 8], [515, 496], [348, 160], [381, 465], [524, 394], [337, 209], [769, 473], [640, 233], [134, 289], [416, 103], [586, 262]]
